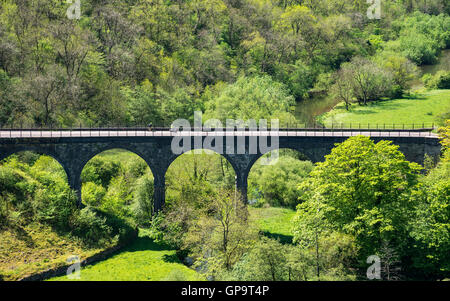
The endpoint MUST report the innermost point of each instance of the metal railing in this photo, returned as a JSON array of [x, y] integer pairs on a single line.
[[289, 129], [282, 126]]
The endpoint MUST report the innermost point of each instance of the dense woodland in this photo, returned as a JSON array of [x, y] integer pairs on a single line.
[[134, 62], [139, 61]]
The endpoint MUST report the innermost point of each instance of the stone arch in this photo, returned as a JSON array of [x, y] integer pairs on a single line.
[[227, 157], [88, 157], [173, 157], [108, 147]]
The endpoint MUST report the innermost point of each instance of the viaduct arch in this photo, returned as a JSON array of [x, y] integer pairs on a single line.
[[74, 152]]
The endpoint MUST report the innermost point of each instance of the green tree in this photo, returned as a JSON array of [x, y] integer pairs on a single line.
[[252, 98], [431, 222], [366, 188], [310, 226], [221, 236], [142, 206], [11, 105], [267, 261], [402, 69], [368, 82], [277, 184]]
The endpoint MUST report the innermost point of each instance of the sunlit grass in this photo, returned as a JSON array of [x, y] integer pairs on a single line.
[[274, 222], [143, 260], [425, 108]]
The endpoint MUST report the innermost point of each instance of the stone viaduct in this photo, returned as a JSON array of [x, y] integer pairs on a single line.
[[74, 149]]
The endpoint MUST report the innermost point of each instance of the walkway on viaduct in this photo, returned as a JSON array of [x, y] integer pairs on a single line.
[[74, 148]]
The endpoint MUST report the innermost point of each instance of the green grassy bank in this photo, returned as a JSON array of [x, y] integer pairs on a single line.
[[274, 222], [428, 107], [143, 260]]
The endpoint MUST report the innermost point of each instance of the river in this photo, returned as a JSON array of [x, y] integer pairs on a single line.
[[307, 110]]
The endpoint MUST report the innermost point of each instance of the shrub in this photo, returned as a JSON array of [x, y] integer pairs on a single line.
[[255, 97], [137, 167], [124, 230], [403, 70], [100, 171], [142, 206], [419, 48], [92, 229], [277, 184], [423, 36], [54, 204], [441, 80], [93, 194]]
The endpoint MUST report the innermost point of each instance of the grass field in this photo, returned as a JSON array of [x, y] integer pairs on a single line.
[[146, 260], [143, 260], [274, 222], [427, 107]]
